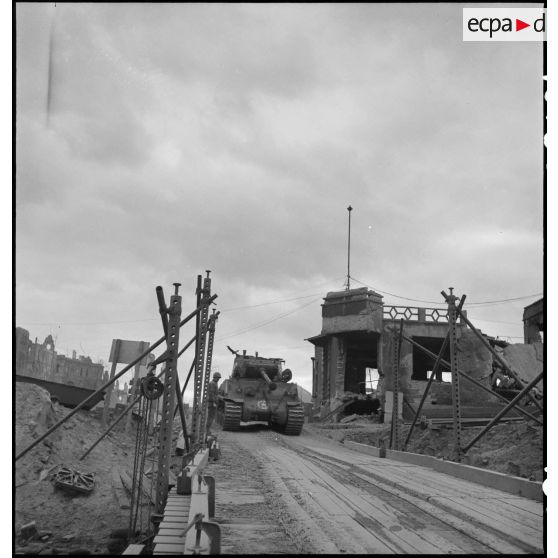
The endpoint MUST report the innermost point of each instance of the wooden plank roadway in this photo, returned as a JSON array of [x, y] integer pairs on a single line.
[[495, 520], [363, 503], [512, 516]]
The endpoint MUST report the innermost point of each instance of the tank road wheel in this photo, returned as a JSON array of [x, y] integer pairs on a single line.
[[295, 420], [231, 416]]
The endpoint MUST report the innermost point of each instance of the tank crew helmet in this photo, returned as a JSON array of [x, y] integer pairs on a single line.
[[216, 376]]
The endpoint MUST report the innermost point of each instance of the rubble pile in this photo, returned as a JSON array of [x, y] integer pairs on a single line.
[[61, 522]]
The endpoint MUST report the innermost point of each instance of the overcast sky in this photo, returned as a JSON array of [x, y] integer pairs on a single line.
[[186, 137]]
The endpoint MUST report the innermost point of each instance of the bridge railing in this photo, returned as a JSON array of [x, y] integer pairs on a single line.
[[416, 314]]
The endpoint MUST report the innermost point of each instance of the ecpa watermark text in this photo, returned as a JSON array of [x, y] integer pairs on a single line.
[[504, 24]]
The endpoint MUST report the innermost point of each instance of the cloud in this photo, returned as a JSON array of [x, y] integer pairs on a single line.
[[185, 137]]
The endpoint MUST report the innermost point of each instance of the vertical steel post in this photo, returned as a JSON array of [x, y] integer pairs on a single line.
[[197, 410], [433, 375], [167, 412], [455, 393], [395, 426], [349, 209], [208, 358]]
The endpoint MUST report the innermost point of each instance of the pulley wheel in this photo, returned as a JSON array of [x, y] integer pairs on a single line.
[[151, 387]]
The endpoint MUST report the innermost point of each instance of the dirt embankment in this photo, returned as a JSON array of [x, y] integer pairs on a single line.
[[514, 448], [65, 523]]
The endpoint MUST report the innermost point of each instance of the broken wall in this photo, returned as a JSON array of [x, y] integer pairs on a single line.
[[526, 360], [475, 360]]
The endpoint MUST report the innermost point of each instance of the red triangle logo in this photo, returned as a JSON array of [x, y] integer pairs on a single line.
[[519, 25]]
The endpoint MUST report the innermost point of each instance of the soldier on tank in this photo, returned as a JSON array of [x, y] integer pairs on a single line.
[[212, 391]]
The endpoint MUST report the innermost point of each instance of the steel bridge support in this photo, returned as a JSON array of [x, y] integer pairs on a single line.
[[167, 412]]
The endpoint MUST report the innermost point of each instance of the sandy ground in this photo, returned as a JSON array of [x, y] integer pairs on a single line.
[[69, 523]]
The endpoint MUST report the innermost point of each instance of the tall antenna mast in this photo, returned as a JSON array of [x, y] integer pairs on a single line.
[[50, 67], [349, 209]]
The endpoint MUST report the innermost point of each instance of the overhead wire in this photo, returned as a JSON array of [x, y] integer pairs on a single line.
[[267, 322], [269, 303], [486, 302]]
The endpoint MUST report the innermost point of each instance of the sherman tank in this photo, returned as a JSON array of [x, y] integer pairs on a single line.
[[260, 390]]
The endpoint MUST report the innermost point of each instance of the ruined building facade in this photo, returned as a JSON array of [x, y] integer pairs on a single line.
[[357, 334], [40, 360], [533, 322]]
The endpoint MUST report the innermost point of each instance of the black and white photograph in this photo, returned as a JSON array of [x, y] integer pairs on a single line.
[[279, 278]]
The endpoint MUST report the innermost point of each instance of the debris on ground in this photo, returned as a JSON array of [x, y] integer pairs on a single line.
[[73, 481], [350, 418]]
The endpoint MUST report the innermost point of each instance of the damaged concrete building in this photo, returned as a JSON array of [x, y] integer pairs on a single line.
[[533, 322], [40, 360], [357, 339]]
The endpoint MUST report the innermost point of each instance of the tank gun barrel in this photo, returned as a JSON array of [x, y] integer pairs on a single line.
[[271, 385]]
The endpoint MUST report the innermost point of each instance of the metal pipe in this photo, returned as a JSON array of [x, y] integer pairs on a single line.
[[508, 407], [180, 407], [104, 386], [188, 377], [186, 347], [120, 417], [500, 360], [472, 380], [162, 309]]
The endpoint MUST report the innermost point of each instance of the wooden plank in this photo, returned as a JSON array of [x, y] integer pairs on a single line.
[[134, 549], [168, 539], [520, 533], [525, 504], [468, 499], [173, 524], [178, 506], [404, 539], [122, 498], [378, 515], [477, 534], [171, 532], [174, 548]]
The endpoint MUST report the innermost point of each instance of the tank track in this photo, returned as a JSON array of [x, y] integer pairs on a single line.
[[295, 420], [231, 416]]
